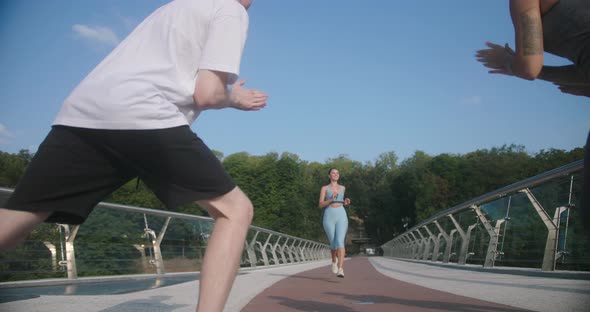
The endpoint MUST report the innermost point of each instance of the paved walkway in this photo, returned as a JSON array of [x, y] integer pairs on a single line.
[[362, 289], [371, 284]]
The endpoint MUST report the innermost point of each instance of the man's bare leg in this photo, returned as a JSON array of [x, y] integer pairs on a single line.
[[233, 214], [16, 225]]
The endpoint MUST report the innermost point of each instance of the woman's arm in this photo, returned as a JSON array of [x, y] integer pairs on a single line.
[[528, 36], [324, 203]]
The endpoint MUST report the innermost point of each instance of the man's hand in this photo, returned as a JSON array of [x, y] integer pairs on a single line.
[[498, 58], [246, 99]]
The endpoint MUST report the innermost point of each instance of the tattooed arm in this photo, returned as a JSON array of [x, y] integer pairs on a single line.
[[527, 61], [528, 30]]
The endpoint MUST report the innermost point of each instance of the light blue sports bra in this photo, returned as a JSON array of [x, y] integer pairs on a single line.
[[339, 198]]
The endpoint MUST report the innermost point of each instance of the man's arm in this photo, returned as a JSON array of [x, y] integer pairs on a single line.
[[562, 74], [528, 35], [575, 89], [211, 92], [567, 78]]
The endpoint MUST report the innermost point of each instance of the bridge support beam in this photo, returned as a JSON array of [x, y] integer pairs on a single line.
[[70, 261], [448, 241], [465, 238], [494, 233], [552, 228]]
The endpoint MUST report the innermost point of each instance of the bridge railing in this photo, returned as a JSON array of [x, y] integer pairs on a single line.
[[532, 223], [119, 239]]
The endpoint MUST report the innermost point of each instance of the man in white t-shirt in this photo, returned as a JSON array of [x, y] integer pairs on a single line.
[[130, 118]]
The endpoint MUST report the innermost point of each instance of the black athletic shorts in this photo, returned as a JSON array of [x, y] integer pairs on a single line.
[[75, 168]]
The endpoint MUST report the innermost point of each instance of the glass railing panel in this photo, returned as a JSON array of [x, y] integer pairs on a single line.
[[106, 244], [183, 245], [121, 240], [260, 240], [477, 245], [37, 257], [573, 245], [465, 219], [532, 223], [524, 236], [573, 250], [447, 226], [495, 210], [432, 228]]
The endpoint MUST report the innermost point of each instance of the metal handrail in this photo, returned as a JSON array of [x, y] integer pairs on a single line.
[[4, 191]]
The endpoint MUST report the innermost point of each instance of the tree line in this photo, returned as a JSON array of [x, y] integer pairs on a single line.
[[387, 194]]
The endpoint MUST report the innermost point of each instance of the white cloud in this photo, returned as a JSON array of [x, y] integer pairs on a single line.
[[5, 135], [474, 100], [101, 35]]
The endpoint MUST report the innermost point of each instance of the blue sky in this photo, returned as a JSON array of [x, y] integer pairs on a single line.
[[358, 78]]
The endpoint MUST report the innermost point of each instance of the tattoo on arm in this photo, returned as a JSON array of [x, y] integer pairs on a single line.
[[532, 35]]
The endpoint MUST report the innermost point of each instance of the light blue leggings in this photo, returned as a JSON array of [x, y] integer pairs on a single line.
[[335, 224]]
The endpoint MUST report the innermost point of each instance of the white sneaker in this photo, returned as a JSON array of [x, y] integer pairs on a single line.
[[334, 267], [340, 273]]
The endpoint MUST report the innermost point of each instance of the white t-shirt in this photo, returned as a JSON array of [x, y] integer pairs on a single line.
[[148, 80]]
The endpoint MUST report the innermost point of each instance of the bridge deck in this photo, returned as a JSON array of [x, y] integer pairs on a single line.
[[370, 284]]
